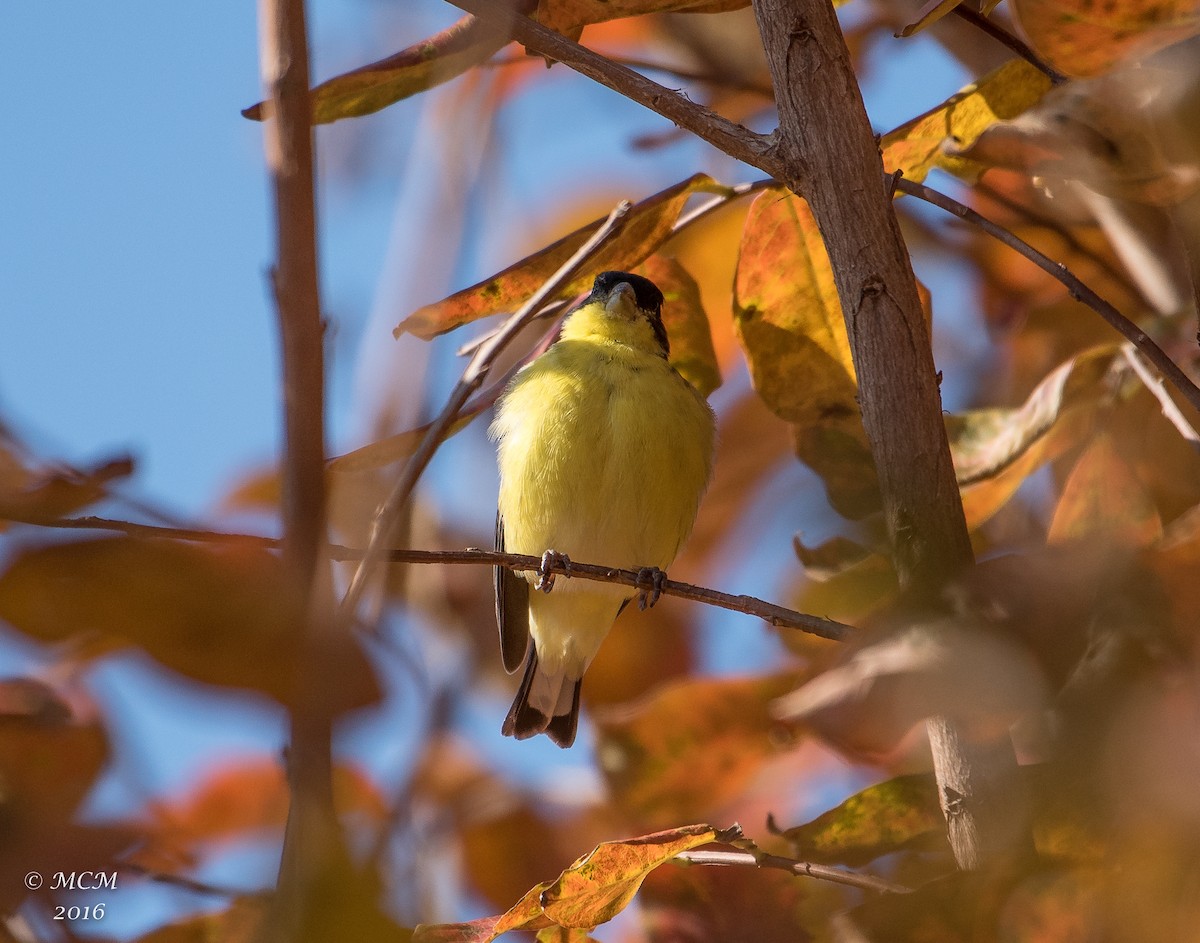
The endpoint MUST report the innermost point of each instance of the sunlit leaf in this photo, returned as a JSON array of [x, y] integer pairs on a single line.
[[919, 145], [994, 450], [590, 892], [217, 614], [1103, 500], [687, 325], [1081, 38], [691, 745], [789, 321], [599, 885], [930, 13], [646, 227], [416, 69], [887, 817]]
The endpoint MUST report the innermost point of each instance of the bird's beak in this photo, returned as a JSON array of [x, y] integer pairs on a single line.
[[622, 302]]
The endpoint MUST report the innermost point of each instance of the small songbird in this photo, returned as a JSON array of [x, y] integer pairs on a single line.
[[604, 452]]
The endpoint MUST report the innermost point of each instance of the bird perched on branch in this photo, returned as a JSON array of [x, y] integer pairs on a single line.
[[604, 452]]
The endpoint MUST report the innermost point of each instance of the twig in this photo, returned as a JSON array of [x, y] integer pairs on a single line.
[[1078, 290], [750, 605], [688, 75], [472, 377], [727, 136], [822, 872], [1008, 40], [1158, 390]]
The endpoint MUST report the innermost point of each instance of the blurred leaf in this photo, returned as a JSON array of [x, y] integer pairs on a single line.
[[830, 558], [558, 934], [569, 17], [898, 814], [686, 322], [646, 227], [49, 762], [397, 447], [28, 494], [1104, 501], [219, 614], [735, 905], [690, 746], [919, 145], [789, 321], [867, 704], [1080, 38], [235, 802], [994, 450], [592, 891], [849, 595], [240, 922]]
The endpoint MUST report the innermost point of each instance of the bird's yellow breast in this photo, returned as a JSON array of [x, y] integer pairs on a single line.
[[604, 450]]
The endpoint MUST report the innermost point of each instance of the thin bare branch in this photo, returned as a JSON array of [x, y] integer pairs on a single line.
[[750, 605], [822, 872], [1008, 40], [478, 367], [1078, 290], [727, 136], [1158, 389]]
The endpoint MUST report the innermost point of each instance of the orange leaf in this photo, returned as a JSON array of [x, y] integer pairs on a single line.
[[789, 320], [692, 352], [217, 614], [691, 746], [27, 494], [1081, 38], [1104, 500], [647, 225]]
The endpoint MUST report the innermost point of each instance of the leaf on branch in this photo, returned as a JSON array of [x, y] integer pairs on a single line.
[[646, 227], [930, 13], [569, 17], [789, 321], [418, 68], [691, 746], [592, 891], [995, 450], [925, 142], [692, 352], [1104, 501], [866, 705], [30, 494], [1080, 38], [902, 813], [830, 558], [217, 614]]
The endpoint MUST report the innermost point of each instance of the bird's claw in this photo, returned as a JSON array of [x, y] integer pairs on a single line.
[[551, 560], [649, 586]]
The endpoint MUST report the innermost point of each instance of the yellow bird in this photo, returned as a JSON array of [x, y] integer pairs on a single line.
[[604, 453]]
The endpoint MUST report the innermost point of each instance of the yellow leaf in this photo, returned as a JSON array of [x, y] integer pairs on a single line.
[[930, 13], [789, 321], [919, 145], [1103, 500], [647, 225]]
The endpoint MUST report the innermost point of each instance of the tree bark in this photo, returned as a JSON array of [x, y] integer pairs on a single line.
[[829, 156]]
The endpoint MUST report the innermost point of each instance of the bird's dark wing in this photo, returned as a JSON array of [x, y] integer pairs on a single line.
[[512, 608]]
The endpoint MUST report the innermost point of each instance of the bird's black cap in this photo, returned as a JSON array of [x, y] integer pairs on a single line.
[[649, 298]]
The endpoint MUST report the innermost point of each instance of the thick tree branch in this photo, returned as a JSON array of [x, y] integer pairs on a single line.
[[826, 144], [750, 605]]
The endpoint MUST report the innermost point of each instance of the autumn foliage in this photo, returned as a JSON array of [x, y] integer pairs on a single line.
[[805, 772]]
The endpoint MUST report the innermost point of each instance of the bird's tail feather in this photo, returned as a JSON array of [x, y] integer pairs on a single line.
[[544, 703]]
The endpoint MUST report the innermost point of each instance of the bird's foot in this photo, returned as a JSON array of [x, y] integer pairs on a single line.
[[551, 560], [650, 586]]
